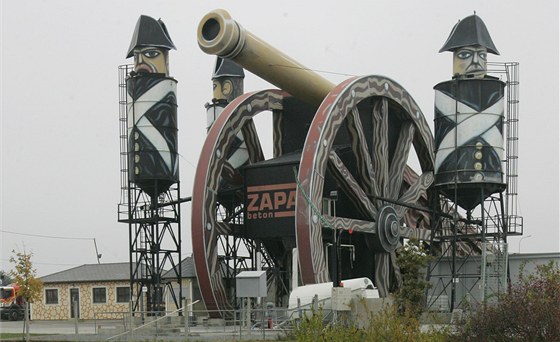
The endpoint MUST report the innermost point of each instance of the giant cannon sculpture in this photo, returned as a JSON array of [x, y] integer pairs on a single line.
[[338, 175]]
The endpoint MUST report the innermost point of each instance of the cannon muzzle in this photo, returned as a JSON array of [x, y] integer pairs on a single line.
[[218, 34]]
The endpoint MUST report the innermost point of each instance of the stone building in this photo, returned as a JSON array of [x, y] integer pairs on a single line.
[[102, 291], [91, 291]]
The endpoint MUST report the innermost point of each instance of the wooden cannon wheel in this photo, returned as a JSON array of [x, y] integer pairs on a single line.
[[213, 171], [383, 188]]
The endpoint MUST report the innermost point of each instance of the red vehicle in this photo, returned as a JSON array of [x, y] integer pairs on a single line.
[[11, 304]]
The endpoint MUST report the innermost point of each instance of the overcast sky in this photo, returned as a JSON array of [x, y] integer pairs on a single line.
[[60, 174]]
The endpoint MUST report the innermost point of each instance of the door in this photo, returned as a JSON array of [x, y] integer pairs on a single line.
[[75, 301]]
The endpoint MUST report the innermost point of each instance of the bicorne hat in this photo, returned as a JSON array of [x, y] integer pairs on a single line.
[[150, 32], [470, 31]]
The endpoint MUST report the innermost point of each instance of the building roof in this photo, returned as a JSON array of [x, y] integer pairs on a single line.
[[517, 256], [91, 272], [111, 272], [545, 255], [187, 269]]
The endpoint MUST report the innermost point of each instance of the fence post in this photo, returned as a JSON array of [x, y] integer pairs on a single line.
[[75, 309], [186, 317], [262, 318], [315, 303], [248, 313], [26, 322], [131, 319], [241, 318]]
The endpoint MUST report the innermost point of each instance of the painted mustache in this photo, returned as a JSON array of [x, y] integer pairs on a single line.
[[145, 68]]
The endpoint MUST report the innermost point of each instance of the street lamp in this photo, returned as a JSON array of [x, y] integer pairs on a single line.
[[519, 246], [97, 252]]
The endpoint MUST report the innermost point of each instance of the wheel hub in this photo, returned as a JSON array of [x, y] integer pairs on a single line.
[[388, 232]]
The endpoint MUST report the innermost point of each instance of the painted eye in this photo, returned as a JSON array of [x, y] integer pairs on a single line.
[[482, 55], [151, 53], [464, 54]]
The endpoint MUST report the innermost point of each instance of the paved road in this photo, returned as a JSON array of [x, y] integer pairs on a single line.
[[66, 331], [49, 327]]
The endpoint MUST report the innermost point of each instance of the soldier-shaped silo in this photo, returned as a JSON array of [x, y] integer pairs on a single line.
[[227, 84], [469, 117], [152, 110], [153, 191]]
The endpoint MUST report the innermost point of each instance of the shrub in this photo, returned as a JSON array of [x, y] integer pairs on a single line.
[[412, 260], [529, 312], [392, 325], [387, 325], [314, 328]]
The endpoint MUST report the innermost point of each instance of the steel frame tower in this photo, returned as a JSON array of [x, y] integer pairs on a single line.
[[237, 253], [154, 229]]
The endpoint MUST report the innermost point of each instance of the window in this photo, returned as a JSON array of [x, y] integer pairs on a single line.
[[6, 293], [99, 295], [123, 294], [51, 296]]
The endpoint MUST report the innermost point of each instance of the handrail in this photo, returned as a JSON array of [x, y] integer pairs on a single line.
[[154, 321]]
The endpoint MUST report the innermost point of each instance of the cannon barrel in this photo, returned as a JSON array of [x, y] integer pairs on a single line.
[[218, 34]]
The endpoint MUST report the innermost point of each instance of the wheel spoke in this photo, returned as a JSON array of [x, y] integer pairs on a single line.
[[231, 175], [223, 228], [361, 152], [252, 141], [383, 263], [396, 269], [415, 233], [417, 219], [346, 223], [381, 275], [277, 136], [350, 186], [380, 144], [416, 190], [400, 158]]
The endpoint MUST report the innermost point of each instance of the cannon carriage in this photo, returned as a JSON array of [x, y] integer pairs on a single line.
[[339, 175]]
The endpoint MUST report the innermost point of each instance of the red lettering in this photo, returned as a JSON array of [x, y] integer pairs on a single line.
[[270, 204], [291, 200], [253, 198], [266, 202], [279, 199]]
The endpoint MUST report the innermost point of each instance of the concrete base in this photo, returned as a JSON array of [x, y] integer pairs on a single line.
[[216, 322], [363, 309]]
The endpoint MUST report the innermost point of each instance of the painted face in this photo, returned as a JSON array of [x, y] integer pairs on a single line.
[[150, 60], [222, 89], [470, 61]]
